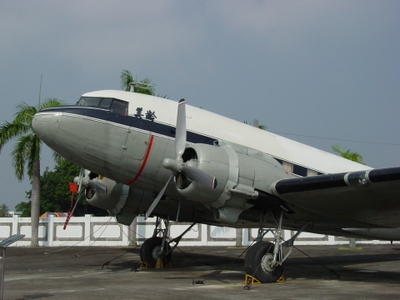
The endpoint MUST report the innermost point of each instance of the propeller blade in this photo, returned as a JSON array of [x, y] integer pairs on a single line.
[[80, 179], [180, 135], [200, 176], [158, 198], [71, 212]]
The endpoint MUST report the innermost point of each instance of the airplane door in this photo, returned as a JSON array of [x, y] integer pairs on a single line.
[[124, 142], [136, 145]]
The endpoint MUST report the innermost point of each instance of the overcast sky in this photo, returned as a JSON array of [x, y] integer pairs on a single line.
[[319, 72]]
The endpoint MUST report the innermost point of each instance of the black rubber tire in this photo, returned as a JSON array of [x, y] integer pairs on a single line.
[[253, 259], [149, 249]]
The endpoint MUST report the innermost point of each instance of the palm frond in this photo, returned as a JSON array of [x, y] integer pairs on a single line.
[[50, 102], [20, 155], [354, 156], [126, 78], [12, 130], [145, 87], [24, 114], [57, 157], [336, 149]]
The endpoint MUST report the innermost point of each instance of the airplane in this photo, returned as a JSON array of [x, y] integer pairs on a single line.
[[146, 155]]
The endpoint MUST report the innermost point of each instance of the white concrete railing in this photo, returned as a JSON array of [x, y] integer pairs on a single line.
[[105, 231]]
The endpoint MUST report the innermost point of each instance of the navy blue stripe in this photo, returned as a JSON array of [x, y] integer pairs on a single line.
[[302, 184], [294, 185], [131, 121], [144, 124], [382, 175]]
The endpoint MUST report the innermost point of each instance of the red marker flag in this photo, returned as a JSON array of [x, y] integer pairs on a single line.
[[73, 187]]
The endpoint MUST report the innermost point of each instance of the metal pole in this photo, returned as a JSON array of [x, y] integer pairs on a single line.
[[132, 233], [3, 252], [3, 245]]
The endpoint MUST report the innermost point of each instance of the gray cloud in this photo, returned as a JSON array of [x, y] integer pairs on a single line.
[[313, 68]]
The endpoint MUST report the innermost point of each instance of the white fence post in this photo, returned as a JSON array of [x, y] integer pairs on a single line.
[[88, 230], [50, 230], [14, 226]]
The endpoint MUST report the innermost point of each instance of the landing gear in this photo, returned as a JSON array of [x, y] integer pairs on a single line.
[[264, 260], [156, 252], [259, 263]]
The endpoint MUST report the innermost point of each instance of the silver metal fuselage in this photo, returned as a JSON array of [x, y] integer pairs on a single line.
[[130, 148]]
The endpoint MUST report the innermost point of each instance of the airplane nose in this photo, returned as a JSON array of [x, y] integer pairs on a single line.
[[45, 126]]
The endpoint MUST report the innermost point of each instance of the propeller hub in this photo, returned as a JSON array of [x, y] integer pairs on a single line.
[[171, 164]]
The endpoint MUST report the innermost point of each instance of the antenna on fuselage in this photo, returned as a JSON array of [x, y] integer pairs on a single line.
[[139, 84], [256, 123]]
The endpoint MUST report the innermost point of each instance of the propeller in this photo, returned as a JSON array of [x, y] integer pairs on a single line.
[[177, 165], [95, 185], [83, 181]]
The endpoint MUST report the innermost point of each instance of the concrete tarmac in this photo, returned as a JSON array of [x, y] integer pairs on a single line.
[[372, 272]]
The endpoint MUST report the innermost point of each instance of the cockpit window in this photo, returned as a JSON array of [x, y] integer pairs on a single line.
[[119, 107], [89, 101], [114, 105], [105, 102]]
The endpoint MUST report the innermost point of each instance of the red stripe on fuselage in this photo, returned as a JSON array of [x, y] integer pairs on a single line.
[[142, 166]]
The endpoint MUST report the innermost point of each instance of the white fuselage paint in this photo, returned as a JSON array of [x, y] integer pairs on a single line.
[[213, 125]]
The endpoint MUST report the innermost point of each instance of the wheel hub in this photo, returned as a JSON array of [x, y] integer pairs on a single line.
[[267, 262], [156, 253]]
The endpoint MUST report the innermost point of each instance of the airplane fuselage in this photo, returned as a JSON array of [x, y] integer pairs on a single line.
[[129, 144], [98, 131]]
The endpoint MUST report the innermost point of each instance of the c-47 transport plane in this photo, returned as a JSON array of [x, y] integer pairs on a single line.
[[147, 155]]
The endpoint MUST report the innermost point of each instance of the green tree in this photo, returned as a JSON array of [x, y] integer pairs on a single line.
[[55, 194], [143, 87], [4, 211], [24, 208], [26, 153], [354, 156]]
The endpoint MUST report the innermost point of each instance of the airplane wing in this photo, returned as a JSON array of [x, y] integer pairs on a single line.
[[371, 197]]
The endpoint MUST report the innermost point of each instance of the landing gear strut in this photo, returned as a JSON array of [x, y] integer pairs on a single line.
[[264, 260], [156, 252]]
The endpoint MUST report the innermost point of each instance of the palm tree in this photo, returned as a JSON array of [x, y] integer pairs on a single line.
[[26, 153], [142, 87], [354, 156]]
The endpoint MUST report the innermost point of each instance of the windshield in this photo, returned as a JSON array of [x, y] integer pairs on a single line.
[[114, 105]]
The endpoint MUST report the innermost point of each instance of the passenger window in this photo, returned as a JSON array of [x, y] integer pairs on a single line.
[[299, 170]]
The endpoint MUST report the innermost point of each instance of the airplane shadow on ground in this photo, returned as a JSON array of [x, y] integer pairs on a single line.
[[364, 268], [225, 266]]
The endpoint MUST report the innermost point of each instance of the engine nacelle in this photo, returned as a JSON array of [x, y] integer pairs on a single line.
[[121, 201], [110, 200], [240, 173]]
